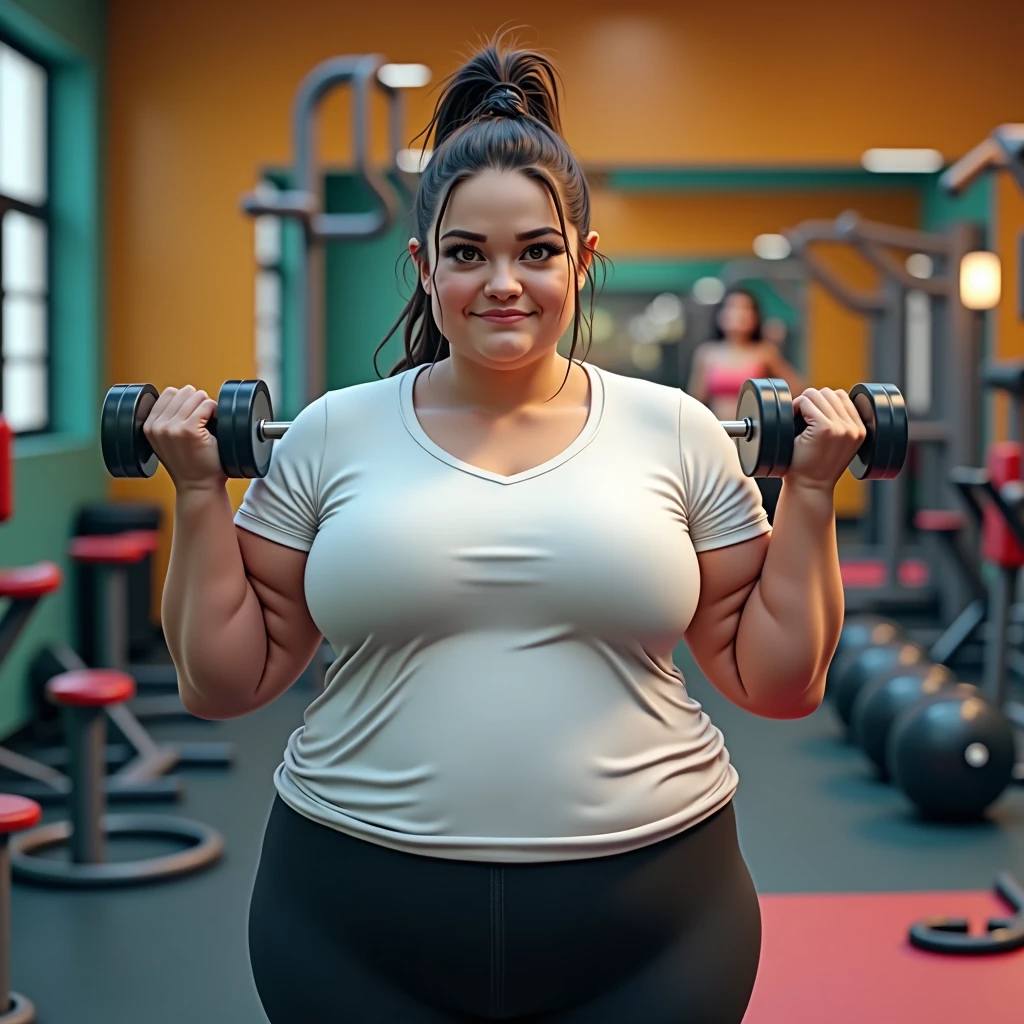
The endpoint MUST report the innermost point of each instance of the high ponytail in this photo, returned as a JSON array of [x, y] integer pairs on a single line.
[[500, 111]]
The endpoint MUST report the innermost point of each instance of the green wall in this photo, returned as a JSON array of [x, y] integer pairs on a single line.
[[58, 472]]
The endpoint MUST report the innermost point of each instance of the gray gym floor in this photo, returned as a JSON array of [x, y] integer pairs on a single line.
[[811, 819]]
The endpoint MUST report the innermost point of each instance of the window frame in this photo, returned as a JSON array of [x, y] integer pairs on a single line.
[[43, 213]]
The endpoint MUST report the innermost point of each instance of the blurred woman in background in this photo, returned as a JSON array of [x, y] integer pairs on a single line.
[[738, 350]]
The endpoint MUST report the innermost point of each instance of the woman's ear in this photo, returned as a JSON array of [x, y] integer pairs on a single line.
[[587, 256], [422, 265]]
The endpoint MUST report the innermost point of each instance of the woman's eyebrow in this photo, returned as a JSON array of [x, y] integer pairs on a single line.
[[524, 236]]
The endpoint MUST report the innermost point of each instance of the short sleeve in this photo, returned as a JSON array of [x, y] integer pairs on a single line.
[[284, 506], [723, 505]]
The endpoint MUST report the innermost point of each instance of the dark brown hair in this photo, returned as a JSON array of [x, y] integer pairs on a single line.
[[718, 334], [497, 112]]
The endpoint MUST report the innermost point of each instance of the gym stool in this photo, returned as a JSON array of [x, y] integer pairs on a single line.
[[111, 556], [84, 698], [16, 814], [24, 588]]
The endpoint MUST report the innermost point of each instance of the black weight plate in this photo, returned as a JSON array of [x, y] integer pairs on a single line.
[[786, 433], [126, 452], [769, 449], [901, 432], [875, 409], [242, 406]]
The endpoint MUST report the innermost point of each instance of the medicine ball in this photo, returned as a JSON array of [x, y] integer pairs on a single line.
[[952, 753], [858, 633], [885, 697], [863, 665]]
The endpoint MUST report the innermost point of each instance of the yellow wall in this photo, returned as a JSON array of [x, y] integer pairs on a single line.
[[200, 93]]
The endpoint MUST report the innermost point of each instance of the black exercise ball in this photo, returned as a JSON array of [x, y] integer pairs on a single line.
[[885, 697], [952, 753], [858, 633], [863, 665]]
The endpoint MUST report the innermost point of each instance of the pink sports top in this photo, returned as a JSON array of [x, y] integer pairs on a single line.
[[726, 381]]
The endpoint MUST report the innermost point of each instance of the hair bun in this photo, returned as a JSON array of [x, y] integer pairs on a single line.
[[499, 81], [505, 100]]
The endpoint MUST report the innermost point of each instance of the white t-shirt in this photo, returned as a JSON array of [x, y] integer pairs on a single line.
[[504, 688]]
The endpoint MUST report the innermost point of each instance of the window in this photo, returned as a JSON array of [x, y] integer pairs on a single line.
[[268, 299], [24, 243]]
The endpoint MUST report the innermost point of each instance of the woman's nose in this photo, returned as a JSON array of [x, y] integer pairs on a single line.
[[503, 283]]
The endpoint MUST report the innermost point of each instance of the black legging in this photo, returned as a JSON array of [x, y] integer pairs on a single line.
[[343, 931]]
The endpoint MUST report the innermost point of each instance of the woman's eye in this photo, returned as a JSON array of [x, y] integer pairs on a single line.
[[537, 252], [463, 254]]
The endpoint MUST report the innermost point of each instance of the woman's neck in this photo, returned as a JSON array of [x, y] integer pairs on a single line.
[[740, 340], [461, 383]]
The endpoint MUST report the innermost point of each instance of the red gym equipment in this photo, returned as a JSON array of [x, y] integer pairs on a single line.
[[16, 814]]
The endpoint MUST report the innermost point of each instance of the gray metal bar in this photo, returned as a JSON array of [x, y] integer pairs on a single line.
[[86, 733], [5, 925], [738, 428], [1010, 138], [895, 269], [113, 609], [16, 617], [26, 766], [801, 239], [996, 678], [269, 430], [851, 226], [961, 175]]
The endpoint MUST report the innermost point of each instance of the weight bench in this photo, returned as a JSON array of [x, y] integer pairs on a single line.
[[949, 526]]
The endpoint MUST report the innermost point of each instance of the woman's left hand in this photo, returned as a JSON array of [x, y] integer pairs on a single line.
[[833, 436]]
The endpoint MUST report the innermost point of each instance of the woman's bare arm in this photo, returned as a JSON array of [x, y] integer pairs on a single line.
[[770, 611], [233, 610]]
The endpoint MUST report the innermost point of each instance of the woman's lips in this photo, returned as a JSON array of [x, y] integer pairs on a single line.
[[502, 318]]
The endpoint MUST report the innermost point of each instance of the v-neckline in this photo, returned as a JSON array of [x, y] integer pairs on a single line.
[[420, 436]]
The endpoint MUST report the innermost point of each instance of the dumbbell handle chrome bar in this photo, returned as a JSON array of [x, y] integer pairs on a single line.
[[743, 429], [271, 430]]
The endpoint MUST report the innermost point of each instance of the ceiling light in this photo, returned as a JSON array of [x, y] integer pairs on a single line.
[[902, 161], [404, 76]]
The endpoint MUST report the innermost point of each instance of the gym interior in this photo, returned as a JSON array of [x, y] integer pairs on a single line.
[[858, 169]]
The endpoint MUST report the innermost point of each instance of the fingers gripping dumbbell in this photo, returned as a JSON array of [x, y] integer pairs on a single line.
[[243, 426], [765, 429]]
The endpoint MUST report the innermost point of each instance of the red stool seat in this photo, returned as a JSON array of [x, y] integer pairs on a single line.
[[936, 520], [30, 581], [90, 688], [126, 548], [18, 813], [150, 539]]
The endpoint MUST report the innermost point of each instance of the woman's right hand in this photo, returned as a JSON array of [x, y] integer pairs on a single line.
[[176, 429]]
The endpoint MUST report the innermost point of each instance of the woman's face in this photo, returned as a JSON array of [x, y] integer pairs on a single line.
[[501, 287], [738, 317]]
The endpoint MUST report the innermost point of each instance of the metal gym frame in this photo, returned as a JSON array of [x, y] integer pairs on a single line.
[[1003, 149], [304, 201], [948, 433]]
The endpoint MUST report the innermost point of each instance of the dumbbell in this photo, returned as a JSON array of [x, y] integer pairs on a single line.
[[243, 426], [765, 430]]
